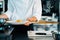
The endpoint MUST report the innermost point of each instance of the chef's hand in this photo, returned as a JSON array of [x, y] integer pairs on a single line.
[[29, 20], [3, 16], [33, 19], [27, 23]]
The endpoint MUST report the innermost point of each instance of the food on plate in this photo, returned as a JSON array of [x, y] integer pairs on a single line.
[[18, 20]]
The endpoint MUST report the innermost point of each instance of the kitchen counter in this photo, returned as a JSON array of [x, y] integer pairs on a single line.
[[42, 32], [47, 22]]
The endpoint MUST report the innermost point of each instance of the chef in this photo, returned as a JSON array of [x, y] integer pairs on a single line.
[[26, 10]]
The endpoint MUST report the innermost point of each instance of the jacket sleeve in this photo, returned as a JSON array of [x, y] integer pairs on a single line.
[[10, 9], [37, 9]]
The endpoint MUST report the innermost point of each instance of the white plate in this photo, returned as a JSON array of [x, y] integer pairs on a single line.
[[18, 23], [15, 23]]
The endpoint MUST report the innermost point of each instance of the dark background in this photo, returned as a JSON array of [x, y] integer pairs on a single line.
[[53, 9], [6, 1]]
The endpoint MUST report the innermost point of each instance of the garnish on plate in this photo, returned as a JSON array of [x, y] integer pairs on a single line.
[[18, 20]]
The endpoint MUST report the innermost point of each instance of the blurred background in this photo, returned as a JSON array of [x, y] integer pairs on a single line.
[[50, 13]]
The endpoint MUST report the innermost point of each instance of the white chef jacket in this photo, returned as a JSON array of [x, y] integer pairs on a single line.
[[23, 9]]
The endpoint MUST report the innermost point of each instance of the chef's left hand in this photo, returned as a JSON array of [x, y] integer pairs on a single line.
[[29, 20]]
